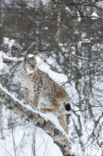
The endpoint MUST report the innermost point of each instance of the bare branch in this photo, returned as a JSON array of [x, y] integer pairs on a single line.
[[6, 60], [59, 138]]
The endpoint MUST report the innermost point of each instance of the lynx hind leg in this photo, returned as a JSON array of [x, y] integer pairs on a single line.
[[35, 101], [62, 120], [26, 96]]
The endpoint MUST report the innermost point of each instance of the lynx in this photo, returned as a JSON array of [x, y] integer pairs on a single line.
[[42, 87]]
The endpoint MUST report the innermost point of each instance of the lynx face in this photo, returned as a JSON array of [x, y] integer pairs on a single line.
[[29, 63]]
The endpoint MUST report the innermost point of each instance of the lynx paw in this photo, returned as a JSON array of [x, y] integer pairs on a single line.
[[25, 102], [42, 110]]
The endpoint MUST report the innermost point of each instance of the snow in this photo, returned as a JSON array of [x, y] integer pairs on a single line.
[[95, 15], [97, 46], [100, 4], [45, 2], [59, 78], [3, 67], [67, 9], [84, 40], [3, 55], [79, 18], [46, 150], [30, 55], [9, 42], [43, 142]]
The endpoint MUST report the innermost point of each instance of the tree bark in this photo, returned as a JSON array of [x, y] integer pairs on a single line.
[[59, 138]]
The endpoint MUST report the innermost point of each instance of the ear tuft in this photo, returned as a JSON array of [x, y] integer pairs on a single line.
[[25, 58]]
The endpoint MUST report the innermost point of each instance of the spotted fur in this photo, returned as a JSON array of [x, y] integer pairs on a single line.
[[41, 86]]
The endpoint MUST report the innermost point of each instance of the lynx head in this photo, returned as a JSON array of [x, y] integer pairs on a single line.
[[29, 64]]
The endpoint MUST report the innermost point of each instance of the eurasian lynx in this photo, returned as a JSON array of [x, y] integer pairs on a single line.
[[41, 86]]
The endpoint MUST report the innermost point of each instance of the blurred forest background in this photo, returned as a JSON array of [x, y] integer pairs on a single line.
[[70, 33]]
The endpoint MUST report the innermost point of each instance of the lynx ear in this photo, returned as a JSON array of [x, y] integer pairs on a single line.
[[25, 58]]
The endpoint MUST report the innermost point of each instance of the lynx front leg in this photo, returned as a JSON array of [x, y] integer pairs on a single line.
[[36, 100], [36, 97], [26, 96], [62, 120]]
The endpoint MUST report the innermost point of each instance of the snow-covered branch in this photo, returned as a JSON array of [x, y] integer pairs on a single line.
[[13, 104], [12, 60]]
